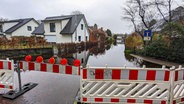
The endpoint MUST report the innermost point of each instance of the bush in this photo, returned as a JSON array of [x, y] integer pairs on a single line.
[[133, 42]]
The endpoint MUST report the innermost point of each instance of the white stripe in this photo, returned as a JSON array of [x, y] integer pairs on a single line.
[[25, 65], [5, 65], [37, 66], [49, 67], [160, 75], [74, 70], [90, 73], [62, 69]]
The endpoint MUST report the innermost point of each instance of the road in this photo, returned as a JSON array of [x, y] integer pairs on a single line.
[[52, 89]]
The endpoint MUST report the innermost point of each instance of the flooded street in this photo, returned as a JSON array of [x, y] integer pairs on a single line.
[[51, 89], [115, 57]]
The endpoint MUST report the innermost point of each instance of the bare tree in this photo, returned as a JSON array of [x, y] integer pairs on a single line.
[[130, 14], [141, 14], [164, 8]]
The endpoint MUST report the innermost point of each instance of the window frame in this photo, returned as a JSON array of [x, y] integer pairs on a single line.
[[82, 26], [29, 28], [79, 38], [52, 26]]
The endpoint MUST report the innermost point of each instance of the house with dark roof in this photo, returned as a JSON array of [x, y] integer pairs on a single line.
[[18, 27], [64, 29]]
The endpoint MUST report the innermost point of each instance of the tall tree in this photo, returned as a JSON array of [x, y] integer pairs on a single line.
[[141, 14], [164, 8], [130, 14]]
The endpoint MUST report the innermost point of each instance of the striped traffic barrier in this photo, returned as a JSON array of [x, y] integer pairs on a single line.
[[124, 101], [6, 64], [126, 74], [125, 85], [47, 67], [6, 75]]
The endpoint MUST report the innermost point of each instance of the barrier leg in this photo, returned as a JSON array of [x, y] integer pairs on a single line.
[[22, 89]]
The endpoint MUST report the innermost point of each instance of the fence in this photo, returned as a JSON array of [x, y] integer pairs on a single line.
[[132, 85], [113, 84]]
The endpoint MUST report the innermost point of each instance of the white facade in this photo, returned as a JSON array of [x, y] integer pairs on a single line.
[[56, 36], [82, 33], [23, 30], [19, 31], [65, 38]]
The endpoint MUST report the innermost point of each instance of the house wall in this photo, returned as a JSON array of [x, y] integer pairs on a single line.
[[56, 35], [79, 32], [65, 38], [23, 31]]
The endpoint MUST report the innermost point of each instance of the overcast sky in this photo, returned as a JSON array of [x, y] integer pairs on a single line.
[[105, 13]]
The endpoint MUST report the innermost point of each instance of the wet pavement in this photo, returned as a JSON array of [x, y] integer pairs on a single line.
[[51, 89], [156, 61]]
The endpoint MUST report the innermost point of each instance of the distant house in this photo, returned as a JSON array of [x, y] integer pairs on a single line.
[[18, 27], [64, 29], [96, 34]]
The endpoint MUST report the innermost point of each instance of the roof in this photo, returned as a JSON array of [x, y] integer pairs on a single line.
[[20, 23], [58, 18], [72, 24], [39, 30]]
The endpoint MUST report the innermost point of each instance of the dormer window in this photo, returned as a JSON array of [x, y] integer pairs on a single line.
[[82, 26], [52, 27], [29, 28]]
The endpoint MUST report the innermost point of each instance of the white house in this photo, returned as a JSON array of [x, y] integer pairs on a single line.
[[64, 29], [19, 27]]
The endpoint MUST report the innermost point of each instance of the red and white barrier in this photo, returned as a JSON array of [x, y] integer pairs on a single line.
[[5, 64], [125, 85], [126, 74], [6, 75], [46, 67], [124, 101]]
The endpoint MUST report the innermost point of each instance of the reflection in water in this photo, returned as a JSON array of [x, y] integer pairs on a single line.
[[102, 55]]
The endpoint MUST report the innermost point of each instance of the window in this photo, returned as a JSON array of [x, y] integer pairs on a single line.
[[82, 60], [1, 28], [82, 26], [86, 38], [79, 38], [29, 28], [52, 27]]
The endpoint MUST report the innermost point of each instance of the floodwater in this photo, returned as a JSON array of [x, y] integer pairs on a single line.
[[115, 57], [110, 56]]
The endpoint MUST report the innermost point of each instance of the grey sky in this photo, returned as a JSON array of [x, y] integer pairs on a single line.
[[106, 13]]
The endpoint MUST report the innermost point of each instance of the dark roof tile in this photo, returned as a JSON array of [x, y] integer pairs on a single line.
[[72, 24], [39, 30]]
